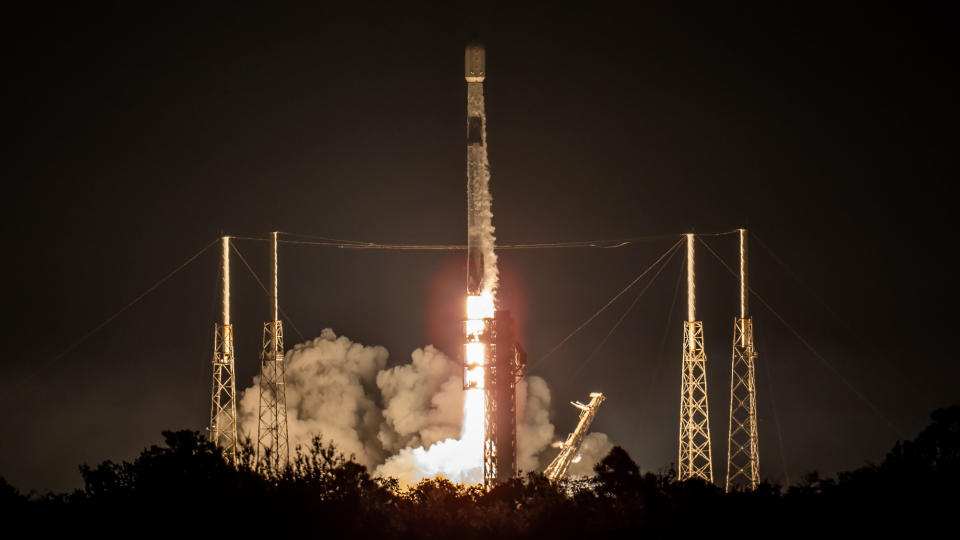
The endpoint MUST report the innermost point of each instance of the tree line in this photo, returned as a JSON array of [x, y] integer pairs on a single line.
[[186, 488]]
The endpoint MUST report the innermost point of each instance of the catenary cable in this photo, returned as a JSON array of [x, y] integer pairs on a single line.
[[264, 287], [809, 347], [605, 306]]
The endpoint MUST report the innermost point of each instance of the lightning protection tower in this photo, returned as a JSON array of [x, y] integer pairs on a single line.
[[695, 459], [272, 443], [223, 407], [743, 455]]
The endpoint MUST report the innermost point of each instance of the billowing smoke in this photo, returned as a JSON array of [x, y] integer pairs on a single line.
[[342, 391], [595, 447], [331, 391], [534, 430], [423, 401]]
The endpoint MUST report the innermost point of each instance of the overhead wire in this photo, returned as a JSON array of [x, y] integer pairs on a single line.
[[809, 347], [111, 318], [605, 306], [623, 316], [264, 287], [603, 244], [210, 338], [796, 277], [322, 241], [354, 244], [776, 420], [663, 339]]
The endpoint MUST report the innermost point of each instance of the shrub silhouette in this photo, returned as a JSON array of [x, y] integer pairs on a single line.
[[184, 487]]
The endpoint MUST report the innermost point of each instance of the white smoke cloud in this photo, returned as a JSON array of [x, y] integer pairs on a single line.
[[330, 387], [595, 447], [446, 457], [423, 400], [386, 418], [534, 430]]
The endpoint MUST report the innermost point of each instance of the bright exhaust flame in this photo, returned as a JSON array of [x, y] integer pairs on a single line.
[[461, 460], [480, 309]]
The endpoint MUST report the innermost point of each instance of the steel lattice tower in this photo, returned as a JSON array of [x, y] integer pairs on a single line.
[[743, 455], [223, 407], [273, 449], [695, 458]]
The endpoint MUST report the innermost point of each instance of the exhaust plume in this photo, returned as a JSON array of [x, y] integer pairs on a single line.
[[595, 447], [404, 422], [331, 391]]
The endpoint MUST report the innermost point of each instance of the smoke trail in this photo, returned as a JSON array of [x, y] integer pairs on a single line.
[[479, 201], [491, 274]]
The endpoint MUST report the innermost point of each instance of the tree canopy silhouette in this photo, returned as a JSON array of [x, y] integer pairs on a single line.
[[185, 486]]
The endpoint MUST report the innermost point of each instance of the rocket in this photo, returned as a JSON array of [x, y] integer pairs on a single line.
[[477, 174]]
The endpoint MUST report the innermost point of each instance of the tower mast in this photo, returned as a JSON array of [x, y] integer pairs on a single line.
[[223, 407], [695, 458], [743, 454], [273, 449]]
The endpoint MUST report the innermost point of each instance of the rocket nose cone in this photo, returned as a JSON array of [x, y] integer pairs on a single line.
[[475, 63]]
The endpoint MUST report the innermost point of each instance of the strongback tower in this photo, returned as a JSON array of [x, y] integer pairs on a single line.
[[695, 458], [273, 450], [504, 370], [743, 455], [223, 407]]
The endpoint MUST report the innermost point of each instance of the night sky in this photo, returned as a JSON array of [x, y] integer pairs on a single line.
[[137, 134]]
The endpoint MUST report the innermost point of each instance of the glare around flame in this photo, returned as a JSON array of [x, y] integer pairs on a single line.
[[461, 460]]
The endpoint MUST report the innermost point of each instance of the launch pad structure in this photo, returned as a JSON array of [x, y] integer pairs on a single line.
[[223, 406], [743, 454], [695, 458], [503, 370], [494, 362], [273, 447], [569, 448]]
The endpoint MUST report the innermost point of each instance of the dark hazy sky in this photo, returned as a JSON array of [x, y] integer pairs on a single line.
[[137, 133]]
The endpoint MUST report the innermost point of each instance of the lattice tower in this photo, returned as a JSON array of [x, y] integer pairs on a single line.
[[223, 407], [743, 454], [695, 457], [273, 449]]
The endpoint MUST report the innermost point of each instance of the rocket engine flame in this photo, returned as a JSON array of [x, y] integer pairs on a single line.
[[461, 460]]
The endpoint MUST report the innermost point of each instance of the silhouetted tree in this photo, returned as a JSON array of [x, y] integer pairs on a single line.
[[185, 487]]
